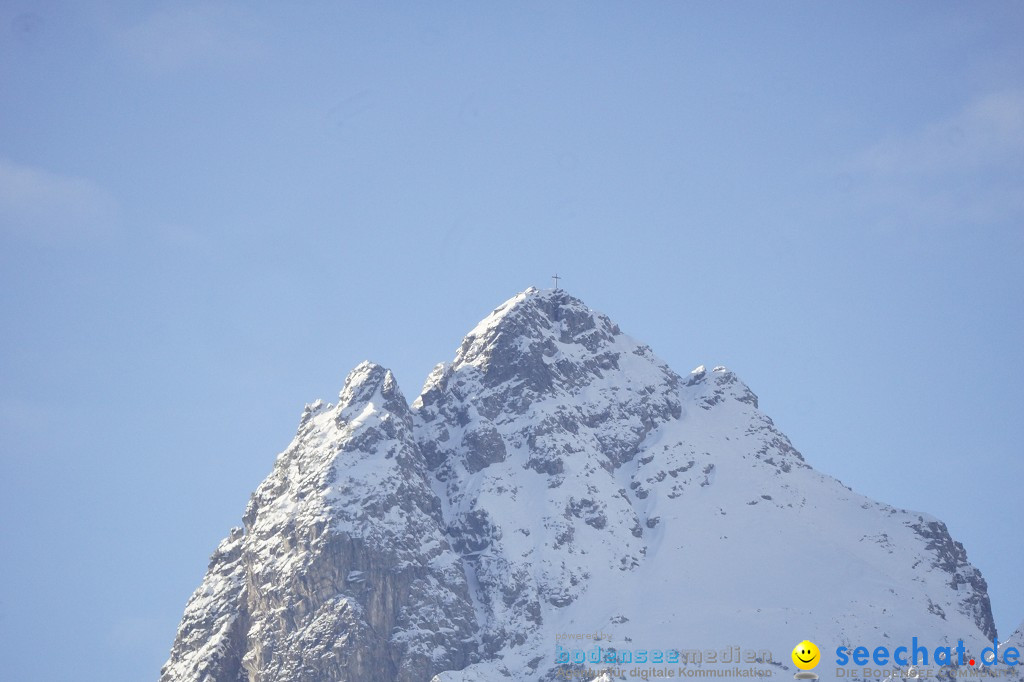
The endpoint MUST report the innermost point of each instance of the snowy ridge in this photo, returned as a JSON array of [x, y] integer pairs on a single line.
[[557, 477]]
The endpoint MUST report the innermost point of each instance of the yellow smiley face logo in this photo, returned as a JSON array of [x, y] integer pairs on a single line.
[[806, 655]]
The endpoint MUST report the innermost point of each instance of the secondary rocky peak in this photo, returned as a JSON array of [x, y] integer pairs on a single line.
[[721, 384], [369, 383], [343, 570]]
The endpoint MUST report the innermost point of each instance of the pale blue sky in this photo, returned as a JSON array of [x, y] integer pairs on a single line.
[[210, 212]]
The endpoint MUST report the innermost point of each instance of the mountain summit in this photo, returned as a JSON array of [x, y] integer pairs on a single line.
[[556, 482]]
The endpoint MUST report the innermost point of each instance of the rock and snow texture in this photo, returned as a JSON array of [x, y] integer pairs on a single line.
[[343, 570], [556, 477]]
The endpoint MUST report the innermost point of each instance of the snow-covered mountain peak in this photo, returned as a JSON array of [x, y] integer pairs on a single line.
[[540, 366], [555, 477], [543, 344], [534, 325]]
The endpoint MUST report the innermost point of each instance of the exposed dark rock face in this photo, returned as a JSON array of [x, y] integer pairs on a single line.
[[949, 556]]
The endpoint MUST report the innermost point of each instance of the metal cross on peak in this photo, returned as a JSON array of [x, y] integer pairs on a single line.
[[556, 278]]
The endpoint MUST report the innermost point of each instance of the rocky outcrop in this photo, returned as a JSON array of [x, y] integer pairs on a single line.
[[343, 570], [950, 557]]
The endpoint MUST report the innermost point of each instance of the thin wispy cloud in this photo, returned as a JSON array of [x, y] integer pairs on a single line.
[[964, 168], [987, 133], [180, 37], [50, 208]]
